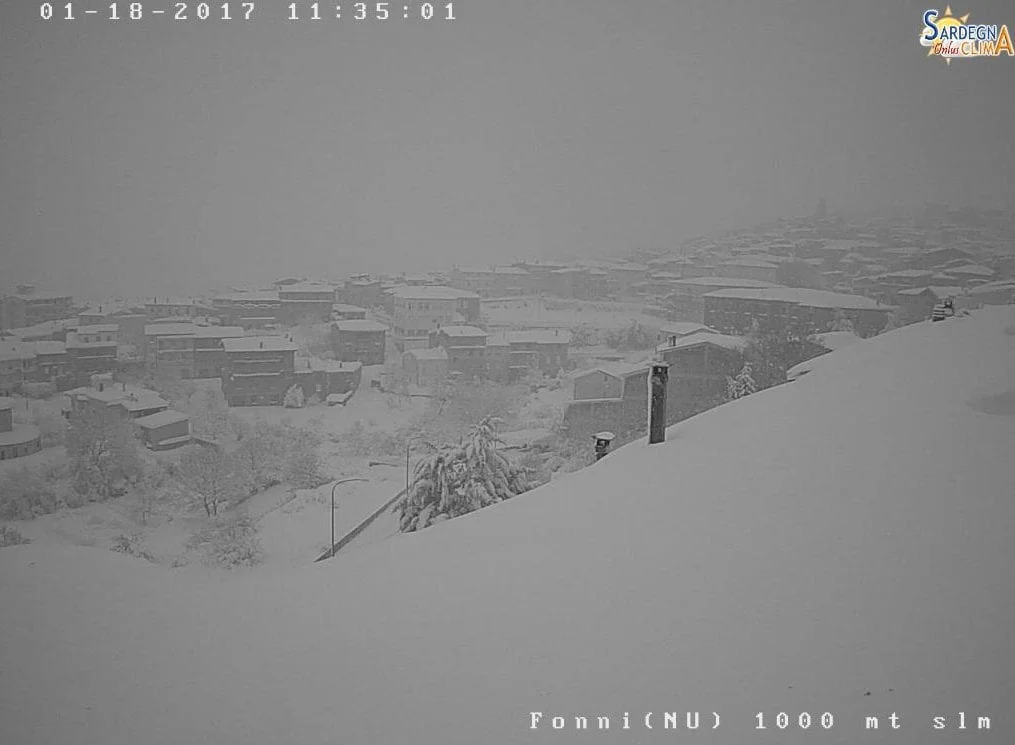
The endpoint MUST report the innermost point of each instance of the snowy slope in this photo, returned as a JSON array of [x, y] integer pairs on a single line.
[[840, 544]]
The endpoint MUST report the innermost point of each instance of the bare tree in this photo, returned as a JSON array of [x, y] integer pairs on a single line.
[[104, 454], [213, 476]]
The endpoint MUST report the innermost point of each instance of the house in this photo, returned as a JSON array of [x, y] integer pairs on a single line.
[[129, 402], [306, 301], [419, 310], [745, 268], [53, 365], [164, 430], [669, 333], [93, 350], [425, 367], [359, 340], [344, 312], [177, 307], [362, 291], [465, 347], [321, 379], [580, 283], [699, 366], [792, 310], [610, 397], [16, 442], [510, 355], [249, 309], [28, 307], [617, 380], [916, 304], [17, 365], [258, 370], [686, 301]]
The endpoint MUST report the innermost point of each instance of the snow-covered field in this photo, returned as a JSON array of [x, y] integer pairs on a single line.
[[841, 544]]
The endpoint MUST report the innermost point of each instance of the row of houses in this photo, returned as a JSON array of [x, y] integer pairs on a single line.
[[261, 370], [472, 352], [85, 351]]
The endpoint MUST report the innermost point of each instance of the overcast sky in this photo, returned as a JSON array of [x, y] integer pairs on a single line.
[[159, 156]]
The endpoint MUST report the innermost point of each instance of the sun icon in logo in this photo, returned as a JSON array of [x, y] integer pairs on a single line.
[[943, 21]]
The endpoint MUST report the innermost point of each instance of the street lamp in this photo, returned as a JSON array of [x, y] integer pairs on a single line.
[[333, 487], [408, 448]]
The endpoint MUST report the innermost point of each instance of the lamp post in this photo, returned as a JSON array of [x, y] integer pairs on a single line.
[[408, 448], [333, 487]]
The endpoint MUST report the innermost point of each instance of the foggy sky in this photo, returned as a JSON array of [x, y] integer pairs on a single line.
[[155, 156]]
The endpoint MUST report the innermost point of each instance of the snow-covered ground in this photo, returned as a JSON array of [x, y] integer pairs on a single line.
[[842, 544]]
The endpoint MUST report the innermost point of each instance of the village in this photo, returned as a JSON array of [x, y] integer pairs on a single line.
[[368, 371]]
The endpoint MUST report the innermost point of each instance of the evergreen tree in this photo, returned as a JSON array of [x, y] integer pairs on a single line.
[[453, 480], [742, 385]]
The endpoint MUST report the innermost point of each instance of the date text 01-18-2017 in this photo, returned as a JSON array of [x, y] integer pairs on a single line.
[[202, 11]]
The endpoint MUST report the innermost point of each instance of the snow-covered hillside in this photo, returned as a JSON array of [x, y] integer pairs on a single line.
[[842, 544]]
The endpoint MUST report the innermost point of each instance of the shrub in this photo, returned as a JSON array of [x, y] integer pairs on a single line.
[[229, 542], [11, 536], [131, 545]]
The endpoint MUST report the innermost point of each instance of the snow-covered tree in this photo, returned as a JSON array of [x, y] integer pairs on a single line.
[[453, 480], [842, 323], [103, 452], [294, 397], [742, 385], [212, 476]]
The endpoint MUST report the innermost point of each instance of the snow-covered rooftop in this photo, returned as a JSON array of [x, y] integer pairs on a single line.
[[360, 324], [431, 292], [259, 343], [801, 296], [723, 282], [462, 330], [733, 343], [161, 419], [839, 544]]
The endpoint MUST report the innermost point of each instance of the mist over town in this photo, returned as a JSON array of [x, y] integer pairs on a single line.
[[523, 373]]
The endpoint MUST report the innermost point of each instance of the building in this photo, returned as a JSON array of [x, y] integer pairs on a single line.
[[465, 347], [344, 312], [17, 365], [499, 281], [425, 367], [321, 379], [359, 340], [28, 307], [254, 309], [747, 268], [579, 283], [258, 370], [306, 301], [103, 393], [669, 333], [699, 366], [916, 304], [419, 310], [53, 365], [92, 350], [792, 310], [610, 397], [362, 291], [184, 350], [177, 307], [164, 430], [130, 321], [686, 302], [16, 442], [612, 380], [511, 355]]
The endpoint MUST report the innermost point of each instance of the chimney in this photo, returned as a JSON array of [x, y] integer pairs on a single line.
[[603, 441], [673, 341], [657, 404], [261, 345], [101, 386]]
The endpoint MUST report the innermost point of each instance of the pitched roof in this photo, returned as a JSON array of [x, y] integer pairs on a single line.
[[732, 343], [723, 282], [437, 353], [619, 369], [16, 350], [161, 419]]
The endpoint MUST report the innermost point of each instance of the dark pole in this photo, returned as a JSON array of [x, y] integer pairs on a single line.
[[407, 446], [657, 412]]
